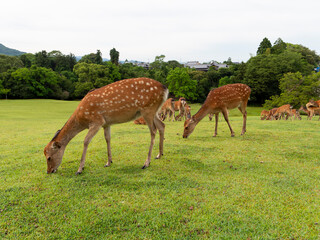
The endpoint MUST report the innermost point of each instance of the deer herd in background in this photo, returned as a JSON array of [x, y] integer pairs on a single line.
[[286, 111], [169, 109]]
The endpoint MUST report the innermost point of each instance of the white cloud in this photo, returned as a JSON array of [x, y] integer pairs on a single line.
[[182, 30]]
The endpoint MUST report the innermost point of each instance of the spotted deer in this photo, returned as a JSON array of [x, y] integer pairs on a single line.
[[118, 102], [167, 109], [179, 106], [264, 114], [283, 110], [220, 100]]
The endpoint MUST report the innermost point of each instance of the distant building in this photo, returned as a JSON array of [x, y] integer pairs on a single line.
[[205, 66], [142, 64]]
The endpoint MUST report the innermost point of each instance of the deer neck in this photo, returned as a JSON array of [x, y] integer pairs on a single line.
[[71, 128], [203, 111]]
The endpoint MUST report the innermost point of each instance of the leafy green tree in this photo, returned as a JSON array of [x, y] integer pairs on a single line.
[[296, 90], [34, 82], [114, 56], [310, 56], [263, 73], [181, 85], [92, 76], [172, 64], [28, 59], [5, 91], [203, 86], [264, 45], [92, 58], [278, 47], [129, 70], [9, 62], [42, 60]]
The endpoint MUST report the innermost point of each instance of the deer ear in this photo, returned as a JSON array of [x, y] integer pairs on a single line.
[[56, 145]]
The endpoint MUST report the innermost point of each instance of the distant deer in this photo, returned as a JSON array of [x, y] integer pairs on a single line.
[[187, 112], [313, 107], [283, 110], [271, 114], [295, 113], [179, 106], [167, 109], [118, 102], [220, 100], [304, 109], [264, 114]]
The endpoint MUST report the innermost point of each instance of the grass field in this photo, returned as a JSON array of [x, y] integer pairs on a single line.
[[263, 185]]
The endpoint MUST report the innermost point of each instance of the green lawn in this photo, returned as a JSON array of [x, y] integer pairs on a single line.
[[263, 185]]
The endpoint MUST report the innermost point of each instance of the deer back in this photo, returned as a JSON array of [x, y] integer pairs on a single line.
[[122, 101], [228, 96]]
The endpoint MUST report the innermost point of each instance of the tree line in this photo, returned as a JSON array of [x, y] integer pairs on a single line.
[[279, 73]]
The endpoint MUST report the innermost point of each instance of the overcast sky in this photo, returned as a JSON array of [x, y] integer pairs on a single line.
[[182, 30]]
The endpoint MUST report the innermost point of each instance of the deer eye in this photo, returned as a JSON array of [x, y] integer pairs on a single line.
[[49, 158]]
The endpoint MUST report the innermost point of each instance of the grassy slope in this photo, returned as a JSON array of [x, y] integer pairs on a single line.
[[264, 185]]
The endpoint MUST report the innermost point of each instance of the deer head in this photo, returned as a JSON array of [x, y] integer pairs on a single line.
[[54, 153], [189, 126]]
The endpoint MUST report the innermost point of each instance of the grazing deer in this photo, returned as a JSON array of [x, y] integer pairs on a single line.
[[313, 107], [264, 114], [184, 113], [304, 109], [118, 102], [271, 115], [140, 121], [220, 100], [167, 108], [283, 110], [295, 113], [179, 106]]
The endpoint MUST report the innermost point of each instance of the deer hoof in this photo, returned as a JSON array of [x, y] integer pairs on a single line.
[[144, 166], [78, 173]]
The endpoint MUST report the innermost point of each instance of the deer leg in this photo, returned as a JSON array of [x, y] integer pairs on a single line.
[[107, 136], [244, 114], [91, 133], [153, 131], [225, 115], [160, 126], [216, 127]]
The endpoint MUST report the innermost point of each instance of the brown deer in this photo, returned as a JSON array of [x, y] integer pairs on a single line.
[[220, 100], [271, 114], [179, 106], [295, 113], [313, 107], [187, 112], [167, 109], [304, 109], [264, 114], [283, 110], [118, 102]]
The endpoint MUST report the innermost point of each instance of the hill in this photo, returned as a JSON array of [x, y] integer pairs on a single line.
[[9, 51]]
